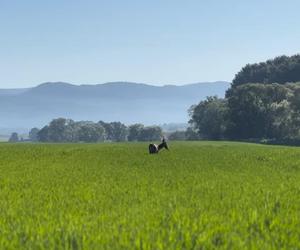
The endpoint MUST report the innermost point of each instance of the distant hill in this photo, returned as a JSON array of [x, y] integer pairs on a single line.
[[5, 92], [117, 101]]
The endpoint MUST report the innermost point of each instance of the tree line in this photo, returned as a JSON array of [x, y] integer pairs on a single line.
[[263, 103], [67, 130]]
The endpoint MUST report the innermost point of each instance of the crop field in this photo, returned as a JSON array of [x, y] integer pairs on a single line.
[[198, 195]]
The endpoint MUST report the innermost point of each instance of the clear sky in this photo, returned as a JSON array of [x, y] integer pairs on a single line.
[[151, 41]]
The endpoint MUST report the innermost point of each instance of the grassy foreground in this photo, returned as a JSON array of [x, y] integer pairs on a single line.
[[115, 196]]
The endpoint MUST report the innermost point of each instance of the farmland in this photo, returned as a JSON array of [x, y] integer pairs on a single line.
[[198, 195]]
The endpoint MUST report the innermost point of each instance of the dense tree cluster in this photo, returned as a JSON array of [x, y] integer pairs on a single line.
[[261, 111], [262, 103], [208, 117], [138, 132], [66, 130], [280, 70], [250, 111]]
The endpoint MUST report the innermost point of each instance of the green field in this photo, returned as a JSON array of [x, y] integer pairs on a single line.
[[199, 195]]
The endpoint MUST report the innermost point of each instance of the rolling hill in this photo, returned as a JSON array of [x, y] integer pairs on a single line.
[[117, 101]]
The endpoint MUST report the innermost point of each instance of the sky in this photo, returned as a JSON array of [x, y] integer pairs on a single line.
[[151, 41]]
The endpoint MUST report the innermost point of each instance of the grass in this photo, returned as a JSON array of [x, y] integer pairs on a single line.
[[199, 195]]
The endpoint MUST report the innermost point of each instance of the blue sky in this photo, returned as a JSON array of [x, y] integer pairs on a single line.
[[153, 41]]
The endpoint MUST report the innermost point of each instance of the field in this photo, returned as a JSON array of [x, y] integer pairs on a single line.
[[199, 195]]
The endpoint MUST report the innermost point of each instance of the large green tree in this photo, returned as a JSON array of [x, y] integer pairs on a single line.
[[134, 132], [256, 110], [209, 118], [59, 130], [115, 131], [91, 132]]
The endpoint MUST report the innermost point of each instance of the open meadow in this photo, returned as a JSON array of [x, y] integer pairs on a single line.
[[198, 195]]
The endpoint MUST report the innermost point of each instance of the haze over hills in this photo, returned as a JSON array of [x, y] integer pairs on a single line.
[[117, 101]]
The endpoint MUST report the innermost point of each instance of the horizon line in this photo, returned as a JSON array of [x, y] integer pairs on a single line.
[[115, 82]]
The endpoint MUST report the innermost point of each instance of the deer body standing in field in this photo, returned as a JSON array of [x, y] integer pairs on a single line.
[[154, 149]]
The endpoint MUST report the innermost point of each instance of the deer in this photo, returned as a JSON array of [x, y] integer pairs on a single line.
[[154, 149]]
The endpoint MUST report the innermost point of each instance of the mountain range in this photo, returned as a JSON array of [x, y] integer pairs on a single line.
[[116, 101]]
